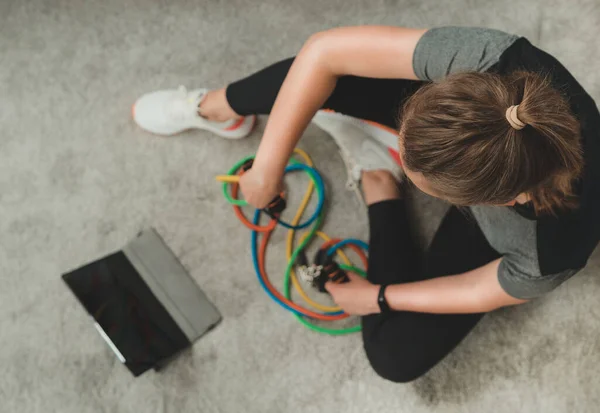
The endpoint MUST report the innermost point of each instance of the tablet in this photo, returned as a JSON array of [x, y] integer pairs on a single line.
[[143, 302]]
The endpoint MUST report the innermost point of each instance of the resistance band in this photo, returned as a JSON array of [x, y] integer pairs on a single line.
[[259, 254]]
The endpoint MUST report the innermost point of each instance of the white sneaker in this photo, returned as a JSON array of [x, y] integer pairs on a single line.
[[381, 133], [168, 112], [360, 150]]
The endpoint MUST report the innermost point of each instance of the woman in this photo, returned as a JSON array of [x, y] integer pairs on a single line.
[[485, 120]]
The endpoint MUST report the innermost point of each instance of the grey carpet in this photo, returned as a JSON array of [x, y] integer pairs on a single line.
[[77, 180]]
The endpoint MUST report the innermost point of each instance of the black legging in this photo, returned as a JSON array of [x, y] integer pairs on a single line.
[[400, 346]]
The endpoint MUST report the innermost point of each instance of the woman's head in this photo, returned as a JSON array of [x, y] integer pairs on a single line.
[[457, 141]]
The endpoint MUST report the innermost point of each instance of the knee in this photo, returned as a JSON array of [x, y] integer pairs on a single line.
[[399, 362], [379, 185], [396, 368]]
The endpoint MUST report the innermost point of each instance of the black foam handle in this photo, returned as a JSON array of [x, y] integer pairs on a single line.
[[331, 272], [246, 166], [276, 206]]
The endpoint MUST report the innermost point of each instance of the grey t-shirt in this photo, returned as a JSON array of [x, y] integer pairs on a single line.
[[441, 52], [446, 50]]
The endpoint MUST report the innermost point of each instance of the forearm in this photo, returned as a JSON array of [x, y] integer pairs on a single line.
[[475, 291], [307, 86], [367, 51]]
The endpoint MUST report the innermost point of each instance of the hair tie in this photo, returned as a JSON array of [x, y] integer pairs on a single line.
[[513, 119]]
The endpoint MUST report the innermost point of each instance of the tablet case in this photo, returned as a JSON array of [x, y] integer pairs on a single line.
[[143, 302]]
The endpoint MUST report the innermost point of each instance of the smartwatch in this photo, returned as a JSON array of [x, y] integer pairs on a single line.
[[381, 301]]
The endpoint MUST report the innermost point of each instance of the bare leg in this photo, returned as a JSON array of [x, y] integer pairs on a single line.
[[215, 107]]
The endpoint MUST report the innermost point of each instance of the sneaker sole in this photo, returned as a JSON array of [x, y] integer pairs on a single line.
[[239, 130]]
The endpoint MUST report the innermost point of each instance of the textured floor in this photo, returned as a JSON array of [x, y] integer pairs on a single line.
[[77, 180]]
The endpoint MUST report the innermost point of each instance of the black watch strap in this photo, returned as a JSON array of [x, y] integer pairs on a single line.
[[381, 301]]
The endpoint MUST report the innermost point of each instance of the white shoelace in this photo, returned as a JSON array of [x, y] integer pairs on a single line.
[[353, 170], [183, 105]]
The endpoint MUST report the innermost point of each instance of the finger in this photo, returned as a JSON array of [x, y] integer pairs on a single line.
[[331, 287]]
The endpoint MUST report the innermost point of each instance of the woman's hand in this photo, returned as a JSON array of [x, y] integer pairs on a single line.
[[356, 297], [260, 187]]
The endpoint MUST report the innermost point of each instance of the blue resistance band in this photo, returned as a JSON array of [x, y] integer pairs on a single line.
[[345, 242], [319, 182], [254, 234]]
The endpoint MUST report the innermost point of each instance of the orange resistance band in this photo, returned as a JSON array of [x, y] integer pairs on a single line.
[[267, 230]]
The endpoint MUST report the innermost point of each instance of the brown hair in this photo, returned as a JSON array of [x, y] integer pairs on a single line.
[[455, 132]]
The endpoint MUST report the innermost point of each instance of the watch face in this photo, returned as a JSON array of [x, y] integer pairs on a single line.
[[129, 317]]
